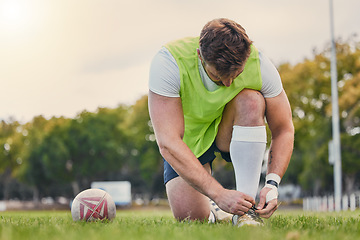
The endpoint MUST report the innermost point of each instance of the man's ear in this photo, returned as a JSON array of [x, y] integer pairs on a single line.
[[198, 52]]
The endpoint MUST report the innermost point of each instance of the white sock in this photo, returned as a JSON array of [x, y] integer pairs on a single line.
[[247, 150]]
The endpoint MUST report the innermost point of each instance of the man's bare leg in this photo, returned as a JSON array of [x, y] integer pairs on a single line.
[[187, 203]]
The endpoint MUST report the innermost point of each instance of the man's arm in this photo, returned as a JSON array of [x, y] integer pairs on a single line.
[[279, 119], [168, 121]]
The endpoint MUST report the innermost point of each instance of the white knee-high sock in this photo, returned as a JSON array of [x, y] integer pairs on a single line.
[[247, 150]]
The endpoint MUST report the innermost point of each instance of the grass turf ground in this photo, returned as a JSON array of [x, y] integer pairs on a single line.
[[159, 224]]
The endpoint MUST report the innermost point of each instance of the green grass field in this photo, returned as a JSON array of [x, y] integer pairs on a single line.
[[159, 224]]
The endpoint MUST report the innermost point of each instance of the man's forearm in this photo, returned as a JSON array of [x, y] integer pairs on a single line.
[[190, 169], [280, 153]]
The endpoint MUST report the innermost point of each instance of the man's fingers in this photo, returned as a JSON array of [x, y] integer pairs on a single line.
[[239, 212], [235, 202], [268, 210], [243, 205], [269, 214], [249, 199], [261, 203]]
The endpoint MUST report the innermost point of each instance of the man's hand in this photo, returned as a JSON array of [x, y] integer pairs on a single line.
[[234, 202], [266, 209]]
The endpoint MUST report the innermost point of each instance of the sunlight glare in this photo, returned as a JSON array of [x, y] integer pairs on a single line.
[[21, 16], [13, 12]]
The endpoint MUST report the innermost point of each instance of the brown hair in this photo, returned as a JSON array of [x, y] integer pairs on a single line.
[[225, 45]]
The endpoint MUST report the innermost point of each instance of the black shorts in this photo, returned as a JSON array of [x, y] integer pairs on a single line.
[[207, 157]]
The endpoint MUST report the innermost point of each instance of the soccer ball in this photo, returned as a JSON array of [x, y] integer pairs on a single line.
[[92, 205]]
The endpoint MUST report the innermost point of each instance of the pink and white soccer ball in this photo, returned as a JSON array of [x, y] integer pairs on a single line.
[[93, 204]]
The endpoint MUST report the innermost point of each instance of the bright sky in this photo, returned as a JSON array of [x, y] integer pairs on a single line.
[[60, 57]]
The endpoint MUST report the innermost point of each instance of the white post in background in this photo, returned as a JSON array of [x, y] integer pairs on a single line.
[[331, 203], [318, 203], [335, 117], [352, 202], [306, 204], [345, 203], [324, 204]]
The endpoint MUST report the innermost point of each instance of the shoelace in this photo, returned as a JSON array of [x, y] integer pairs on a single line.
[[255, 216]]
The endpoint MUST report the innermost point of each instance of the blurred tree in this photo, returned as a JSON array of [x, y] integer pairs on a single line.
[[11, 144], [96, 145], [309, 91], [33, 171], [145, 159], [349, 104]]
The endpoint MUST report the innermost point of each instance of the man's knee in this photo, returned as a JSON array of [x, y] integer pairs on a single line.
[[249, 108], [186, 203]]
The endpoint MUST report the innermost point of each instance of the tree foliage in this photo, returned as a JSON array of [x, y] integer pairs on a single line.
[[308, 85]]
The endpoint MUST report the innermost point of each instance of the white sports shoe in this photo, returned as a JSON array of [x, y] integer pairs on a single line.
[[251, 218], [219, 214]]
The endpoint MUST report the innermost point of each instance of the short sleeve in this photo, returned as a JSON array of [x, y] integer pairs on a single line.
[[272, 85], [164, 78]]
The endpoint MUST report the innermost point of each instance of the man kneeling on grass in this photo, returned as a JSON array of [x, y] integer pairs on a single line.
[[211, 94]]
